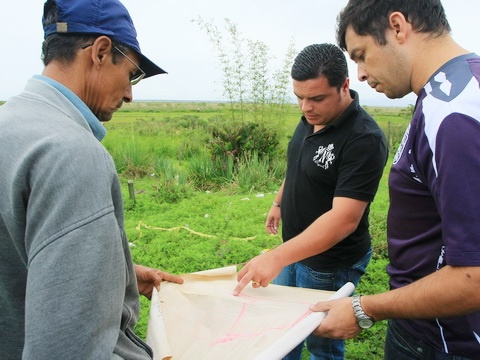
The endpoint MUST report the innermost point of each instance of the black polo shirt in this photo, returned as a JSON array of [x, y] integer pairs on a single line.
[[346, 159]]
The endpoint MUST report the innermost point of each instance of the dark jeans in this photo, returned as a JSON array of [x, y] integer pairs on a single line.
[[401, 345]]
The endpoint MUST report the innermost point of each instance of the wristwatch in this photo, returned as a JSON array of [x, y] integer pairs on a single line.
[[363, 320]]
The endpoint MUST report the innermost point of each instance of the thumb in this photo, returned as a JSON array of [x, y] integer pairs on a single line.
[[321, 306]]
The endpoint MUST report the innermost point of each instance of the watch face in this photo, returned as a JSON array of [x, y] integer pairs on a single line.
[[365, 323]]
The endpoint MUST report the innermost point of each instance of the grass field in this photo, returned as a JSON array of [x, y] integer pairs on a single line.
[[193, 213]]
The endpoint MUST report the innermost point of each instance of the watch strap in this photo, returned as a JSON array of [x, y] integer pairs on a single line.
[[363, 320]]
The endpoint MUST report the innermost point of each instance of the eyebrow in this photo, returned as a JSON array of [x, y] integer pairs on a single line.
[[353, 54], [316, 97]]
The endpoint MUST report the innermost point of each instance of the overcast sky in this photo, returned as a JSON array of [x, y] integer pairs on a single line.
[[168, 37]]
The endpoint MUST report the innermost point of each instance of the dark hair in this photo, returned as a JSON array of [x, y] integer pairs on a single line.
[[321, 60], [64, 47], [370, 17]]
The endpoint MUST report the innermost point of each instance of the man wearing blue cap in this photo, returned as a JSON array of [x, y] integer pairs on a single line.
[[68, 286]]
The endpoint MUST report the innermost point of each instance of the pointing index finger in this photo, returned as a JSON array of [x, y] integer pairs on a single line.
[[241, 284]]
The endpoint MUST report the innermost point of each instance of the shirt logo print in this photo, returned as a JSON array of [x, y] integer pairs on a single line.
[[324, 156], [400, 149]]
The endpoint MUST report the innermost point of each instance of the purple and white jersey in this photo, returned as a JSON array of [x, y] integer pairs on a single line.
[[434, 216]]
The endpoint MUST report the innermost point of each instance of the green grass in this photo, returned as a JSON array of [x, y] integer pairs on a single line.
[[189, 215]]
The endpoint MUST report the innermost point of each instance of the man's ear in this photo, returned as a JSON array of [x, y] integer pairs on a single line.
[[399, 25], [346, 84], [101, 49]]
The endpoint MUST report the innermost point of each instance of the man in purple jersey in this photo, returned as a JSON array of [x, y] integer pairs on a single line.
[[433, 306]]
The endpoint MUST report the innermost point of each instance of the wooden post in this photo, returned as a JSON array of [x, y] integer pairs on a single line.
[[131, 190]]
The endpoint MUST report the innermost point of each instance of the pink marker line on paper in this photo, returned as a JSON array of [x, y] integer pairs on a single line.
[[231, 337]]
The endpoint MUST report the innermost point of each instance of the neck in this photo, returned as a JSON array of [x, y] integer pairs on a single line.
[[432, 53]]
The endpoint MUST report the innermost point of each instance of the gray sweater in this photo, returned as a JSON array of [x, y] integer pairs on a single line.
[[67, 284]]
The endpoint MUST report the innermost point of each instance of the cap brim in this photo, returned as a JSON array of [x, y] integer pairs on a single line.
[[149, 67]]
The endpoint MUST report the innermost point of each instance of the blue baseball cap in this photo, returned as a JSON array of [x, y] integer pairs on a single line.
[[102, 17]]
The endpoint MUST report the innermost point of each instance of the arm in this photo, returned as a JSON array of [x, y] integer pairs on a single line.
[[423, 299], [325, 232], [80, 279], [147, 278], [273, 218], [76, 285]]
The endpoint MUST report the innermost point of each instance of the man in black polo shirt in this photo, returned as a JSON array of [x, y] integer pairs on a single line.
[[335, 161]]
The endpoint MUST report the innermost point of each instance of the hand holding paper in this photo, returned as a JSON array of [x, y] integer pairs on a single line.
[[148, 278], [339, 312]]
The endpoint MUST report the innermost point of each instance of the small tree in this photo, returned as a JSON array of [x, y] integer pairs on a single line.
[[231, 61], [249, 83], [259, 84], [282, 82]]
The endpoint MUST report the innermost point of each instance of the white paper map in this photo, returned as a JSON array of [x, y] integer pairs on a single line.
[[201, 319]]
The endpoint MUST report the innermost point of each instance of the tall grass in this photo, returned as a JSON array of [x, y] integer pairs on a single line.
[[208, 173], [254, 174]]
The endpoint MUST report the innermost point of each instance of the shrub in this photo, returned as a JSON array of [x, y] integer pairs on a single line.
[[240, 139]]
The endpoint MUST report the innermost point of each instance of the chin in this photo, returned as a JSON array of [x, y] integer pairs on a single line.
[[105, 117], [394, 96], [390, 96], [313, 121]]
